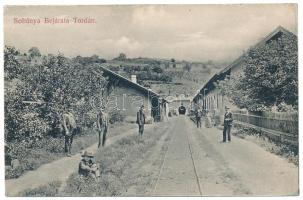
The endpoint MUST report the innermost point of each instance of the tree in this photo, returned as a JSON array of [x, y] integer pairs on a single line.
[[12, 67], [121, 57], [88, 60], [157, 69], [59, 83], [270, 76], [34, 52]]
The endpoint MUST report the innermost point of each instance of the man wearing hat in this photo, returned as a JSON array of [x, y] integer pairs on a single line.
[[228, 119], [102, 125], [88, 166], [84, 168], [141, 120]]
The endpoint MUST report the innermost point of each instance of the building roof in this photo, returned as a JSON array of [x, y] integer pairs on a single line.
[[132, 84], [263, 41], [235, 63]]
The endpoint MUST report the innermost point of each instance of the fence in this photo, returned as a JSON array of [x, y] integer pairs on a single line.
[[279, 124]]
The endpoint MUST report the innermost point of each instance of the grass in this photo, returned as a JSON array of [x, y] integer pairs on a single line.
[[49, 190], [287, 151], [120, 168], [49, 149]]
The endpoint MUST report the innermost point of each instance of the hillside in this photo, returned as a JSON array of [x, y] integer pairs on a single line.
[[166, 77]]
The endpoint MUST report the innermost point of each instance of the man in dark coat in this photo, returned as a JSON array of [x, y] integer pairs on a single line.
[[228, 119], [141, 120]]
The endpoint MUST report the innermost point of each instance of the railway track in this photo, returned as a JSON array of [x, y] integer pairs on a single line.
[[194, 165], [162, 165], [179, 140]]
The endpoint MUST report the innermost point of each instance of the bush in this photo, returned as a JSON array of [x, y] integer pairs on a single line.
[[114, 68], [33, 153], [157, 69], [49, 190], [13, 173], [116, 116], [154, 76]]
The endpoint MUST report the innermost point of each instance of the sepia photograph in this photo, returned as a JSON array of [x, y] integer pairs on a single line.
[[135, 100]]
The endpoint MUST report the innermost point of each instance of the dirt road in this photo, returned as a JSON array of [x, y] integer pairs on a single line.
[[198, 163]]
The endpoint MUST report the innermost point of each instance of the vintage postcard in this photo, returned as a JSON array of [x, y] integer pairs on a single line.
[[151, 100]]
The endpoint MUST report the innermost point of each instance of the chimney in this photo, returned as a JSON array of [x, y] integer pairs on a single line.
[[133, 78]]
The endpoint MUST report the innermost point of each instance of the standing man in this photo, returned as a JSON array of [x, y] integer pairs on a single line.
[[102, 125], [141, 120], [69, 127], [228, 119], [198, 118]]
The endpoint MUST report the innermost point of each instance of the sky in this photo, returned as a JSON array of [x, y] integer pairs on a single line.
[[183, 32]]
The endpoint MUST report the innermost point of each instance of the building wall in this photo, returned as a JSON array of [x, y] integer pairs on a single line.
[[128, 100], [214, 101]]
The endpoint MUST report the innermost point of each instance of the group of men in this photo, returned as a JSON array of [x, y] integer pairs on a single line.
[[87, 165], [69, 127], [228, 119]]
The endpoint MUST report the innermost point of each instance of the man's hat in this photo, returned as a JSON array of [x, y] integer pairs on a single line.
[[226, 107], [87, 154]]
